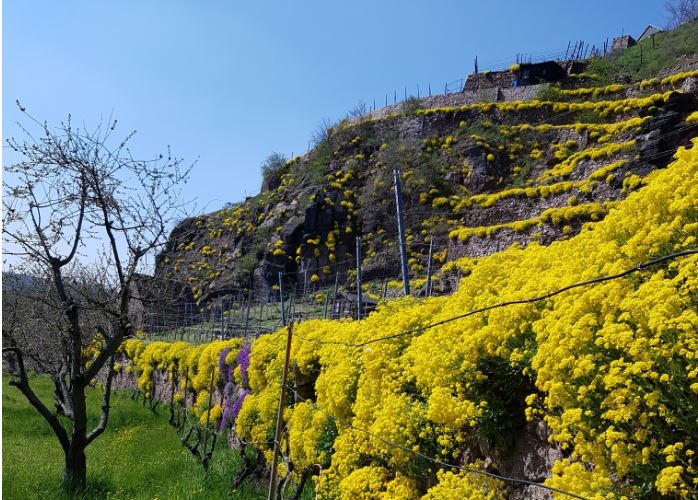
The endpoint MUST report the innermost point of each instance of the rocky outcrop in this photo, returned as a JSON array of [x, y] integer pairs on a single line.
[[304, 222]]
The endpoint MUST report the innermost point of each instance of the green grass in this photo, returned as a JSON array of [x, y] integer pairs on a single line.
[[138, 456], [669, 47]]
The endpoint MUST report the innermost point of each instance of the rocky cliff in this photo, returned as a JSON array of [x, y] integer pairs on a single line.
[[477, 178]]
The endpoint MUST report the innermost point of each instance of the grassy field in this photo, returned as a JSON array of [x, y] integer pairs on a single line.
[[646, 59], [138, 456]]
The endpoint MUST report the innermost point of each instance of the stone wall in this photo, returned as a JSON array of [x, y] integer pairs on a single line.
[[531, 456], [460, 99]]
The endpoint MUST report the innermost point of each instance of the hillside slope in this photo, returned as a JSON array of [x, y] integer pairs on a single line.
[[477, 178], [593, 390]]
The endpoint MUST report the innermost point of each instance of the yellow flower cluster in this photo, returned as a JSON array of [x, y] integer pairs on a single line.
[[614, 88], [196, 365], [584, 212], [613, 364]]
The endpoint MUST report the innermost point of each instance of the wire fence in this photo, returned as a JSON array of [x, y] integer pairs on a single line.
[[250, 313]]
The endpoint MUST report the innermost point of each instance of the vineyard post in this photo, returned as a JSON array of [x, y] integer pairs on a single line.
[[305, 282], [186, 388], [279, 415], [431, 247], [247, 312], [334, 296], [281, 299], [222, 319], [358, 278], [208, 413], [261, 311], [401, 232]]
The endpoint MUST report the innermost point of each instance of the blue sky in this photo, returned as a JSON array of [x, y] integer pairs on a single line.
[[230, 82]]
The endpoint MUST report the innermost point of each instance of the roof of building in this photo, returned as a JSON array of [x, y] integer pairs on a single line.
[[650, 30]]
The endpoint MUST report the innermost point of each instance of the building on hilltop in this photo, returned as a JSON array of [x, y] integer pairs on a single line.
[[488, 80], [650, 31], [620, 43], [518, 75], [542, 72]]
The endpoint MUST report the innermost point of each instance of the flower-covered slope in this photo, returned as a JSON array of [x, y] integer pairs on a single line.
[[612, 369], [475, 179]]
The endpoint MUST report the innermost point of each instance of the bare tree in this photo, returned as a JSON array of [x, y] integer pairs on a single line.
[[681, 11], [76, 193]]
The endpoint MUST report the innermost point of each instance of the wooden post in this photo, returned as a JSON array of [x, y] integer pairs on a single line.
[[305, 283], [401, 232], [186, 389], [334, 296], [431, 246], [281, 298], [222, 320], [279, 415], [208, 413], [247, 312], [359, 299], [261, 311]]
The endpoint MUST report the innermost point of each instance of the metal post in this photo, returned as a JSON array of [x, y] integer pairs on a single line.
[[279, 415], [305, 283], [222, 320], [334, 296], [431, 246], [359, 299], [208, 413], [324, 307], [261, 311], [247, 313], [401, 232], [281, 298]]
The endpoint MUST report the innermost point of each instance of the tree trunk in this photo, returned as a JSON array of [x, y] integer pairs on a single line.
[[75, 474]]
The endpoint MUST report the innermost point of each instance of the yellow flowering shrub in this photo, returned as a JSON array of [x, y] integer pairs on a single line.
[[612, 369], [465, 486], [613, 364]]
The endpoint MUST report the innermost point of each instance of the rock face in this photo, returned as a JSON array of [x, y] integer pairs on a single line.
[[512, 172]]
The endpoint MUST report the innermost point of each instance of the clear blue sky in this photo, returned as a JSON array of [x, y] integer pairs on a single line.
[[230, 82]]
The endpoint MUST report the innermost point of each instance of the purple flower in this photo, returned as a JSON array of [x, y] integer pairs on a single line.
[[238, 404], [231, 411], [244, 361], [222, 367]]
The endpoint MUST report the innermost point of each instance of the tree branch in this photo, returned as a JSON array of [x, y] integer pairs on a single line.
[[106, 395], [23, 385]]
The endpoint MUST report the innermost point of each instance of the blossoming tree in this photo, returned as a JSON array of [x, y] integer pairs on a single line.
[[80, 215]]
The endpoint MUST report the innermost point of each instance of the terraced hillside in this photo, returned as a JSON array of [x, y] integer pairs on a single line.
[[568, 369], [560, 359], [476, 178]]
